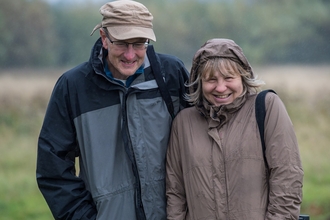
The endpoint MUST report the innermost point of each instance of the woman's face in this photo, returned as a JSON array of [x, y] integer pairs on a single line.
[[221, 89]]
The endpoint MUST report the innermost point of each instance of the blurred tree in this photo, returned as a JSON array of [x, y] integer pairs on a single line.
[[35, 33], [27, 35], [73, 27]]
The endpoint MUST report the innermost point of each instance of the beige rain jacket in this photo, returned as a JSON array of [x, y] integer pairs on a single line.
[[215, 167]]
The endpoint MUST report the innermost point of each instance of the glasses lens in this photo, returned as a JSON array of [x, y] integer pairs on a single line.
[[140, 46], [120, 45]]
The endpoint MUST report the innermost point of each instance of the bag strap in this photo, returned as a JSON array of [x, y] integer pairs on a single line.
[[260, 110], [260, 116], [157, 72]]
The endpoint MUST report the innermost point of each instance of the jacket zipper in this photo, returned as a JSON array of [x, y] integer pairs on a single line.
[[130, 151]]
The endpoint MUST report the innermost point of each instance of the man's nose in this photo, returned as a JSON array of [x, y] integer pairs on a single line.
[[129, 52]]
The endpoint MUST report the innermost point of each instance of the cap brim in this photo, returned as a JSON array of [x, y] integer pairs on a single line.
[[127, 32]]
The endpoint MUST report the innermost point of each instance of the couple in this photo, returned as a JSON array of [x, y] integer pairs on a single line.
[[115, 113]]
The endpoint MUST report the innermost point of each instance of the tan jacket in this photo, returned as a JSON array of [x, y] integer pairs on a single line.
[[215, 169]]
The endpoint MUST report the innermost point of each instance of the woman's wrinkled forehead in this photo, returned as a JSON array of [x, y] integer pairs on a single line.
[[221, 48], [224, 67]]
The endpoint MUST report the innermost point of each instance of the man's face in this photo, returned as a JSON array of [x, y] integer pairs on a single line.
[[124, 58]]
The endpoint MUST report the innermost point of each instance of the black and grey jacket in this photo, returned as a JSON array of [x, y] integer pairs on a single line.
[[121, 135]]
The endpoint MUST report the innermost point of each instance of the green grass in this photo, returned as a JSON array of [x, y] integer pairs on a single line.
[[312, 127], [22, 112], [20, 197]]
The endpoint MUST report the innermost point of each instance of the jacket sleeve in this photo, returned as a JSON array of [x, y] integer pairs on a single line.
[[184, 77], [64, 192], [283, 157], [175, 192], [176, 79]]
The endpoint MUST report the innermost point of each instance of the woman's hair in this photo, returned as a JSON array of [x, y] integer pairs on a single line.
[[226, 67]]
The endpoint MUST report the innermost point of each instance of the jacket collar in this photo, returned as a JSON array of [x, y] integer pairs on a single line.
[[219, 115]]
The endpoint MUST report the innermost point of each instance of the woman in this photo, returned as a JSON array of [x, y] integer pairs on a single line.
[[215, 166]]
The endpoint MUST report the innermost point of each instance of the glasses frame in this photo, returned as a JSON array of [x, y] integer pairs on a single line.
[[134, 45]]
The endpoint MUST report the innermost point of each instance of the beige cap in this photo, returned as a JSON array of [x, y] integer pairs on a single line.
[[126, 19]]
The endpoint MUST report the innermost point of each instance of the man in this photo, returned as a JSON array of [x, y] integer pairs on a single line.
[[115, 113]]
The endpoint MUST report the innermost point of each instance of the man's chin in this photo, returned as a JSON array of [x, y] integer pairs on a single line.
[[126, 75]]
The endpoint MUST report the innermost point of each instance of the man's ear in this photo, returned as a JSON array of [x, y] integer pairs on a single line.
[[104, 39]]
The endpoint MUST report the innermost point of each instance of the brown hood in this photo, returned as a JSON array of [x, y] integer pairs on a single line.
[[218, 47]]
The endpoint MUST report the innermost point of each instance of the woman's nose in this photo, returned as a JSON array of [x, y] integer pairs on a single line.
[[221, 86]]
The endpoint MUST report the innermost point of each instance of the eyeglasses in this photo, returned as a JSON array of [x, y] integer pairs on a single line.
[[122, 45]]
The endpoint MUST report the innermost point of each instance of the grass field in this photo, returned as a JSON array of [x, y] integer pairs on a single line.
[[24, 95]]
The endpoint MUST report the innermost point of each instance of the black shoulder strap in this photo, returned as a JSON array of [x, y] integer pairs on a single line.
[[156, 70], [260, 109]]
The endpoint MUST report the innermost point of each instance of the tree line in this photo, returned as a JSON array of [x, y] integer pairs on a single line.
[[35, 33]]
